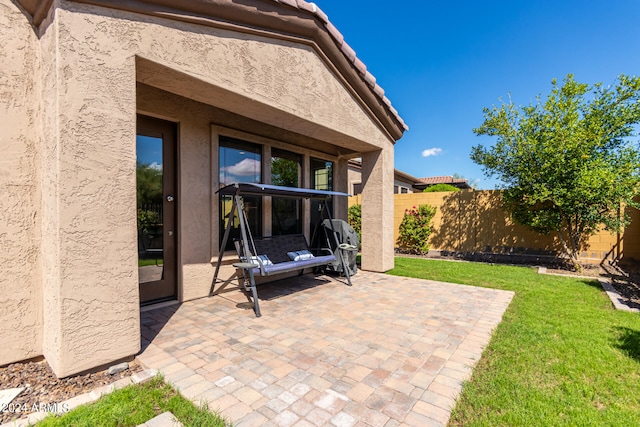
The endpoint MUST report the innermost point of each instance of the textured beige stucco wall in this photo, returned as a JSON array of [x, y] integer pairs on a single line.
[[88, 64], [20, 306], [198, 169], [90, 287], [48, 141], [377, 210]]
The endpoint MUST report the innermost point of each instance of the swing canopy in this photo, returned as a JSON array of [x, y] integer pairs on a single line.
[[251, 189], [277, 254]]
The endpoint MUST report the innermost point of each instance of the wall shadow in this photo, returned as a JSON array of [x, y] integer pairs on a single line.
[[474, 225], [153, 321]]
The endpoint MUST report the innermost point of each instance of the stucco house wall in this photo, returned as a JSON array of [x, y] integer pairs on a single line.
[[402, 182], [21, 313], [90, 70]]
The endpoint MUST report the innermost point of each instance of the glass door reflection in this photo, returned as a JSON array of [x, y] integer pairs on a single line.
[[149, 191]]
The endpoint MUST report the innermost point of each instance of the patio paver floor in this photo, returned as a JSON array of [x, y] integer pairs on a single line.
[[389, 351]]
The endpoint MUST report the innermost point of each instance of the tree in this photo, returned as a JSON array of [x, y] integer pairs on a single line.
[[148, 184], [440, 187], [473, 183], [569, 163], [284, 172], [355, 220]]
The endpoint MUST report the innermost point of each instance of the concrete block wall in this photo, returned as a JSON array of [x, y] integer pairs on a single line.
[[473, 221]]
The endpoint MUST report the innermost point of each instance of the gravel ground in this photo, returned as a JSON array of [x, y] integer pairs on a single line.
[[42, 387], [626, 280]]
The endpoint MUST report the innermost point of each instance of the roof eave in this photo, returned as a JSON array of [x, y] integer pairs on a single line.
[[289, 17]]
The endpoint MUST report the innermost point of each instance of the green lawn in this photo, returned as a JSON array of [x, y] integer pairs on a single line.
[[134, 405], [561, 356], [145, 262]]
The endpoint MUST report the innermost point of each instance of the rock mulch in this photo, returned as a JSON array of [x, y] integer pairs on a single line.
[[42, 387], [626, 280]]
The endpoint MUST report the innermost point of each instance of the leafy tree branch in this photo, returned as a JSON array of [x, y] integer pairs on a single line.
[[567, 163]]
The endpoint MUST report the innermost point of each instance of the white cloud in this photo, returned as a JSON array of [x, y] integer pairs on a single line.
[[431, 152], [247, 167], [156, 166]]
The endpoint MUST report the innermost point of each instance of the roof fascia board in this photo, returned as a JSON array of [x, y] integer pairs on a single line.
[[37, 9]]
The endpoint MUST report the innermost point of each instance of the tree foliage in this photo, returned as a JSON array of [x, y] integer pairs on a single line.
[[440, 187], [568, 163], [355, 220], [284, 172], [148, 184]]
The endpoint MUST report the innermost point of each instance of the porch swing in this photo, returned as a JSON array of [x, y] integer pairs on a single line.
[[267, 256]]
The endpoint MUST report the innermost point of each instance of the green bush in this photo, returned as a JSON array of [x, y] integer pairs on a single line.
[[416, 228], [147, 219], [440, 187], [355, 220]]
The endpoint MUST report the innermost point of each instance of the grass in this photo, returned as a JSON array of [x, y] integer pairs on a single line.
[[134, 405], [562, 356], [145, 262]]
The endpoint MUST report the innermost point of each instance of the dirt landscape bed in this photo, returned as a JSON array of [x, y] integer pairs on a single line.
[[43, 389]]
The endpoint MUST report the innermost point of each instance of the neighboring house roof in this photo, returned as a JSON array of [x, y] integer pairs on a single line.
[[355, 164], [255, 14], [420, 183], [433, 180]]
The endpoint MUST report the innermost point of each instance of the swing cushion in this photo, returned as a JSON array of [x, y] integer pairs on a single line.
[[276, 249], [300, 255], [261, 259]]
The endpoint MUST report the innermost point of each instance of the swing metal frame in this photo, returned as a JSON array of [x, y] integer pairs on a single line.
[[252, 264]]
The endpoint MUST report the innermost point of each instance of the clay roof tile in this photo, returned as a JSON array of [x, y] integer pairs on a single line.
[[306, 6], [320, 14], [292, 3], [370, 79], [348, 52], [337, 35], [379, 91], [360, 66], [441, 180]]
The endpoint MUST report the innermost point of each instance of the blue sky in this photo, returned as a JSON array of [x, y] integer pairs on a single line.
[[441, 62]]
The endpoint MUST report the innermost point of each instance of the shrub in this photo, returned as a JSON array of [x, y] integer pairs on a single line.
[[147, 219], [440, 187], [355, 220], [416, 228]]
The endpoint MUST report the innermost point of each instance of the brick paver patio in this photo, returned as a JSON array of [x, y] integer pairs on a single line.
[[389, 351]]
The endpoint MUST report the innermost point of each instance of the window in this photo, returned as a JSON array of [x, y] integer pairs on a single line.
[[286, 214], [321, 174], [357, 189], [321, 179], [240, 161]]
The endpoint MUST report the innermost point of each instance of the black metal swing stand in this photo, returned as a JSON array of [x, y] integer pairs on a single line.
[[268, 256]]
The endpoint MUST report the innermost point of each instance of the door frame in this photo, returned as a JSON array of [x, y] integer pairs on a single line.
[[156, 127]]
